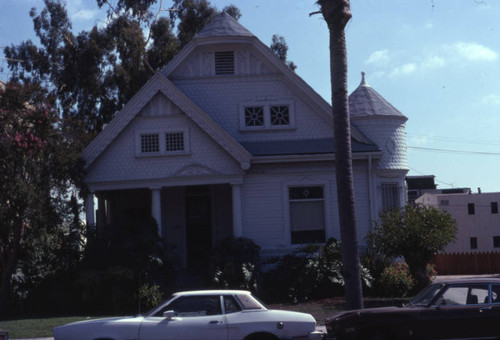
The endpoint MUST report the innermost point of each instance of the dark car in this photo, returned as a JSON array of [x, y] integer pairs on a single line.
[[447, 310]]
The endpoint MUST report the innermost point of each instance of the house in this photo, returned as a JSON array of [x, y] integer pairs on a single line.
[[419, 185], [227, 141], [476, 216]]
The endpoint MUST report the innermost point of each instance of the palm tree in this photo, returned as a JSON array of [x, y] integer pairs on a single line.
[[337, 14]]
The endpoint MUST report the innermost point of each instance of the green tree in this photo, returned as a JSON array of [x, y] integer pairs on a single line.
[[280, 49], [39, 170], [94, 73], [337, 14], [415, 232]]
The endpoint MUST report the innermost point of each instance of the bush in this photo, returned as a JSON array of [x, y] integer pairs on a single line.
[[396, 280], [310, 272], [236, 263]]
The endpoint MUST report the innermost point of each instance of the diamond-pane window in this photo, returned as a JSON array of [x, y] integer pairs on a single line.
[[174, 141], [150, 143], [280, 115], [254, 116]]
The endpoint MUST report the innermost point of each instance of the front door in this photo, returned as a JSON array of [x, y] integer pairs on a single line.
[[198, 226]]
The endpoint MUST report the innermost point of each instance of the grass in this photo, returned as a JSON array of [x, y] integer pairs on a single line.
[[35, 328], [320, 309]]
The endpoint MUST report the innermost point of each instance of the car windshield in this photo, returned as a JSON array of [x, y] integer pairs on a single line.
[[425, 297], [249, 302]]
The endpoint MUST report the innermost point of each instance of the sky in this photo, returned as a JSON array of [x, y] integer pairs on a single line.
[[436, 61]]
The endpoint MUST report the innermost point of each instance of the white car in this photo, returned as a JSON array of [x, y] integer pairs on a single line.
[[207, 315]]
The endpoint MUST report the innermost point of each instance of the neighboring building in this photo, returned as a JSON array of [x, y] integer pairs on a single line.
[[476, 216], [228, 141], [419, 185]]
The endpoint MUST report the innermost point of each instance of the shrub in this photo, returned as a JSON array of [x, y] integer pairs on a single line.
[[236, 263], [396, 280], [310, 272]]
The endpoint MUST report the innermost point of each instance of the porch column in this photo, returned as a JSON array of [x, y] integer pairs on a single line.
[[90, 211], [156, 207], [237, 218]]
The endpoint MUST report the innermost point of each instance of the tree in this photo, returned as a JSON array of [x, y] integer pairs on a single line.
[[38, 171], [280, 49], [337, 14], [415, 232], [93, 74]]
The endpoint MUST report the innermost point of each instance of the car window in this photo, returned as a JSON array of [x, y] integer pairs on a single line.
[[249, 302], [193, 306], [230, 305], [465, 295], [495, 294], [427, 295]]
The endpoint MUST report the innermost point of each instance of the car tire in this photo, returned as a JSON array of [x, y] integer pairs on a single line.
[[261, 336]]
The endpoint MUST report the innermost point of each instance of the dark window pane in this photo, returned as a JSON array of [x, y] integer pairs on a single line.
[[471, 208], [306, 193], [308, 236]]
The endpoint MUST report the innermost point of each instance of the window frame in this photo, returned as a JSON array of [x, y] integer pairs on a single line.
[[267, 113], [471, 209], [162, 139], [494, 208], [288, 210], [397, 199]]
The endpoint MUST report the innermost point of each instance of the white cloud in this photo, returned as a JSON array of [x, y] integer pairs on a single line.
[[380, 57], [84, 14], [475, 52], [404, 69], [434, 61]]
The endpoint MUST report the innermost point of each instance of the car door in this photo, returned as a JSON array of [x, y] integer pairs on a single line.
[[187, 318], [461, 312]]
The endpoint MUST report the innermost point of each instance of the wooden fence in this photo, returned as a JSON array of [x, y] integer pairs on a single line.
[[467, 263]]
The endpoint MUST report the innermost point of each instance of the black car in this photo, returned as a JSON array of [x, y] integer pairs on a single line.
[[458, 309]]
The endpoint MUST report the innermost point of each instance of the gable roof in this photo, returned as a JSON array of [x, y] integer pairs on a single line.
[[159, 83], [365, 101], [225, 29]]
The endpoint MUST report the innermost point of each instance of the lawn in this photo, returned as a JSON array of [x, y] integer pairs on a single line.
[[320, 309]]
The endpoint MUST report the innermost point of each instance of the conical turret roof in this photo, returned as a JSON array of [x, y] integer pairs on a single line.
[[223, 25], [365, 101]]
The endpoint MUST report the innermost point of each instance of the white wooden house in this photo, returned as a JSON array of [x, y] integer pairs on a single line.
[[227, 140]]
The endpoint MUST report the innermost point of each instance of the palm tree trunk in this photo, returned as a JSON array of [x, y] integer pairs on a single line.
[[337, 13]]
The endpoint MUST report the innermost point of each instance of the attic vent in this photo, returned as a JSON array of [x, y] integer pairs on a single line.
[[224, 62]]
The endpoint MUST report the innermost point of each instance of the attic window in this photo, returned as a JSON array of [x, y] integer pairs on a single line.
[[150, 143], [174, 141], [224, 63], [267, 116]]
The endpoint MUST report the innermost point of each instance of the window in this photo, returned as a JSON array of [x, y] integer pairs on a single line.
[[266, 116], [471, 208], [254, 116], [390, 196], [444, 202], [193, 306], [161, 143], [465, 295], [473, 243], [494, 207], [496, 241], [224, 63], [150, 143], [174, 141], [307, 214], [280, 115]]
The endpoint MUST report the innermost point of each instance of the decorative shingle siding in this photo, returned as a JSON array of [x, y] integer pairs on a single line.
[[120, 163], [390, 135], [221, 99]]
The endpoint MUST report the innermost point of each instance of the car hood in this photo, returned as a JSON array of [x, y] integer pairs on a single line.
[[363, 312], [97, 322]]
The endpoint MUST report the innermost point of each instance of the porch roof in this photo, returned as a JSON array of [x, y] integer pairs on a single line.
[[302, 147]]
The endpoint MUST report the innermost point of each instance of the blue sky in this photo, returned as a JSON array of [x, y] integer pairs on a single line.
[[437, 61]]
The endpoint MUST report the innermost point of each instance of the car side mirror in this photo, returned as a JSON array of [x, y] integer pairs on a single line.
[[169, 314]]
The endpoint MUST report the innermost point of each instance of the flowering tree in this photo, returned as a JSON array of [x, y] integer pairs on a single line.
[[38, 169]]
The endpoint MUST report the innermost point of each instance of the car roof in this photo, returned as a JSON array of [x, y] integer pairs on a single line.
[[469, 281], [212, 292]]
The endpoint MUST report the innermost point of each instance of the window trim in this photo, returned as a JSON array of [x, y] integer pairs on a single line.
[[392, 185], [162, 133], [267, 115], [286, 211]]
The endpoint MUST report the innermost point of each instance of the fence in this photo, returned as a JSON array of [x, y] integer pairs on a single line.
[[467, 263]]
